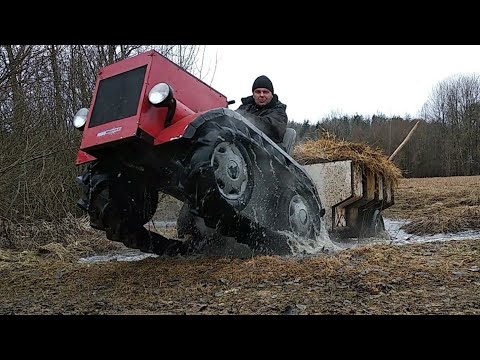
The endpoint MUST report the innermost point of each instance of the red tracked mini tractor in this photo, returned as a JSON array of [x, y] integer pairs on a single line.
[[153, 127]]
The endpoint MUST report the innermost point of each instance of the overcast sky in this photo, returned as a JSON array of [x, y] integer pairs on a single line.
[[315, 81]]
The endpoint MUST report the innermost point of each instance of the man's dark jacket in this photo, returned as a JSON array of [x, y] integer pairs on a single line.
[[271, 119]]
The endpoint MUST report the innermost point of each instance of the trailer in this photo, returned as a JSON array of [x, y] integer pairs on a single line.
[[353, 197]]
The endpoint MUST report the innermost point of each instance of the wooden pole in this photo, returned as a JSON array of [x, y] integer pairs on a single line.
[[404, 141]]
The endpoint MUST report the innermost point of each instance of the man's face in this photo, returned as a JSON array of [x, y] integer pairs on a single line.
[[262, 96]]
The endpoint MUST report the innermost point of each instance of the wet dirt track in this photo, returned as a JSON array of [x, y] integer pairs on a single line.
[[433, 278], [423, 278]]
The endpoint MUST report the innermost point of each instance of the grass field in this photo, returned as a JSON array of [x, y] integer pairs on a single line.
[[42, 275], [437, 205]]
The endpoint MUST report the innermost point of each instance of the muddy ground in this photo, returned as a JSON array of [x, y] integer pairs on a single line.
[[430, 278]]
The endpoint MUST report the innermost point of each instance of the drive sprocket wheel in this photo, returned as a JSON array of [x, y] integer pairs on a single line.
[[117, 202]]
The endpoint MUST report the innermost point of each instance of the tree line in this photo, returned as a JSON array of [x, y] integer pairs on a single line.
[[42, 86], [446, 142]]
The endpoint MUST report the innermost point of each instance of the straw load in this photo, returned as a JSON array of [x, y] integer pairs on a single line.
[[329, 149]]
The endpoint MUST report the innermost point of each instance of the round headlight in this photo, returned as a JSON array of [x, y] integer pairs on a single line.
[[80, 118], [160, 93]]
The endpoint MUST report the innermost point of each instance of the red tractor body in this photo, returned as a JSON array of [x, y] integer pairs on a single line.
[[120, 110]]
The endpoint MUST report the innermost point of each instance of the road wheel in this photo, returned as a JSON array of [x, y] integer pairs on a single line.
[[233, 173], [296, 214]]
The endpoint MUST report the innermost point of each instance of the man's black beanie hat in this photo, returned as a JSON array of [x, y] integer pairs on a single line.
[[262, 82]]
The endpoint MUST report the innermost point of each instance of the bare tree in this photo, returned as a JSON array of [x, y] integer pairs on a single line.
[[455, 103], [41, 88]]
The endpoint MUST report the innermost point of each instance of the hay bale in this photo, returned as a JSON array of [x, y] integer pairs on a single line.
[[329, 149]]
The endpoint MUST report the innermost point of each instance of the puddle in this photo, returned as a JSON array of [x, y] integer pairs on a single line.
[[165, 224], [400, 237], [123, 255], [394, 236]]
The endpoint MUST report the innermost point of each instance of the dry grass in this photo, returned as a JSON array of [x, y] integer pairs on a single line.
[[67, 238], [168, 208], [439, 278], [331, 149], [437, 205], [432, 278], [446, 221]]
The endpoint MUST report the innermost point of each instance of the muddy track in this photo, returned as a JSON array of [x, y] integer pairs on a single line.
[[429, 278], [433, 278]]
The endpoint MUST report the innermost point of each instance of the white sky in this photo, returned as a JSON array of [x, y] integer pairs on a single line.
[[315, 81]]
